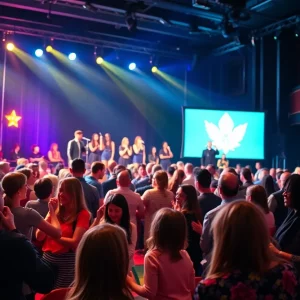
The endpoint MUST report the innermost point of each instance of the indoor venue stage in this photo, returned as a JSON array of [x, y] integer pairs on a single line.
[[129, 67]]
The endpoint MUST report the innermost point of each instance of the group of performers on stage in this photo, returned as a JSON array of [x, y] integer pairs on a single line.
[[99, 148]]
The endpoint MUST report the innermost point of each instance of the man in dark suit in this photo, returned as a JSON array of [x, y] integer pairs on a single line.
[[209, 155], [76, 146]]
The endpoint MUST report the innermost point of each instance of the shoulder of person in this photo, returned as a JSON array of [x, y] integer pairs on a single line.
[[84, 213]]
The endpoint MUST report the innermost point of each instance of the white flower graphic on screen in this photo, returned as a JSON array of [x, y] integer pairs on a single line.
[[225, 136]]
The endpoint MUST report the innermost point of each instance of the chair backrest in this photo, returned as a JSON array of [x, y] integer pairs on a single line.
[[59, 294]]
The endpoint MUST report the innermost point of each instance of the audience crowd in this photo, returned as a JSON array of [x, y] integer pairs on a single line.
[[207, 232]]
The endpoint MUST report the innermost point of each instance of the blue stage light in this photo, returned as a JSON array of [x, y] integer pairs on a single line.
[[39, 52], [132, 66], [72, 56]]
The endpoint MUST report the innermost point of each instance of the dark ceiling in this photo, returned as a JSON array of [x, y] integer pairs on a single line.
[[175, 28]]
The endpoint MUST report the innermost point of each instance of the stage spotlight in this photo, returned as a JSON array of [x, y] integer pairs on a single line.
[[154, 69], [49, 49], [10, 46], [72, 56], [39, 52], [99, 60], [132, 66]]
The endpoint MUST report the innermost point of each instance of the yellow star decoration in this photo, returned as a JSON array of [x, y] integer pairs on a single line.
[[13, 119]]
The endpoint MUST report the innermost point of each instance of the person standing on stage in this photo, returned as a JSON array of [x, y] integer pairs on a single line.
[[209, 155], [95, 146], [165, 155], [108, 148], [76, 146], [139, 153], [125, 152]]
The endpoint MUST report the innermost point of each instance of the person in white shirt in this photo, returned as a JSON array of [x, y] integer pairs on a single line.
[[135, 203], [189, 179]]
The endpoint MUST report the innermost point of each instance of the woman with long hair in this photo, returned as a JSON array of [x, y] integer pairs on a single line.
[[101, 265], [139, 151], [108, 148], [258, 196], [176, 180], [187, 203], [153, 157], [155, 199], [125, 152], [223, 162], [14, 186], [54, 155], [165, 155], [242, 265], [267, 183], [74, 219], [95, 146], [168, 270]]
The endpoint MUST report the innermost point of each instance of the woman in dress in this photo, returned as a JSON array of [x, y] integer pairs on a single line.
[[165, 155], [95, 146], [54, 155], [139, 154], [223, 162], [108, 150], [125, 152], [152, 157]]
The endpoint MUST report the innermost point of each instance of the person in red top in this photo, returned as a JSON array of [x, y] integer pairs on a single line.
[[74, 219]]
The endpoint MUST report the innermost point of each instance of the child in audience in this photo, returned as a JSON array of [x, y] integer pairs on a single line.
[[169, 272], [242, 265], [101, 265], [74, 219]]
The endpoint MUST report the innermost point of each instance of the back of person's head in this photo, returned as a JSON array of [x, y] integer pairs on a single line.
[[292, 187], [78, 166], [161, 179], [26, 171], [168, 233], [188, 168], [257, 195], [228, 185], [264, 172], [241, 241], [149, 168], [4, 166], [43, 188], [64, 173], [196, 171], [118, 169], [246, 173], [54, 180], [111, 165], [180, 165], [268, 183], [156, 168], [278, 174], [12, 183], [72, 187], [43, 165], [97, 166], [101, 265], [230, 170], [171, 170], [123, 179], [191, 204], [22, 161], [204, 178], [120, 201]]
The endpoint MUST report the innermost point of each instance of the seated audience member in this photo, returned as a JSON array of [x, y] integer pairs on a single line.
[[171, 171], [91, 194], [176, 181], [228, 189], [43, 168], [168, 270], [30, 194], [267, 183], [187, 203], [246, 179], [238, 169], [207, 200], [74, 220], [54, 181], [276, 200], [180, 165], [19, 261], [288, 234], [110, 168], [135, 204], [111, 183], [101, 271], [146, 180], [189, 176], [297, 170], [242, 265], [155, 199], [64, 173], [22, 162], [214, 176], [98, 172], [142, 175], [258, 196], [262, 173], [43, 189], [4, 168], [14, 186], [117, 212]]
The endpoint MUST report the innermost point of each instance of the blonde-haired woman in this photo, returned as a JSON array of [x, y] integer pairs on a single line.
[[54, 155], [101, 270], [125, 152], [155, 199], [74, 219], [176, 180], [139, 152], [242, 265]]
